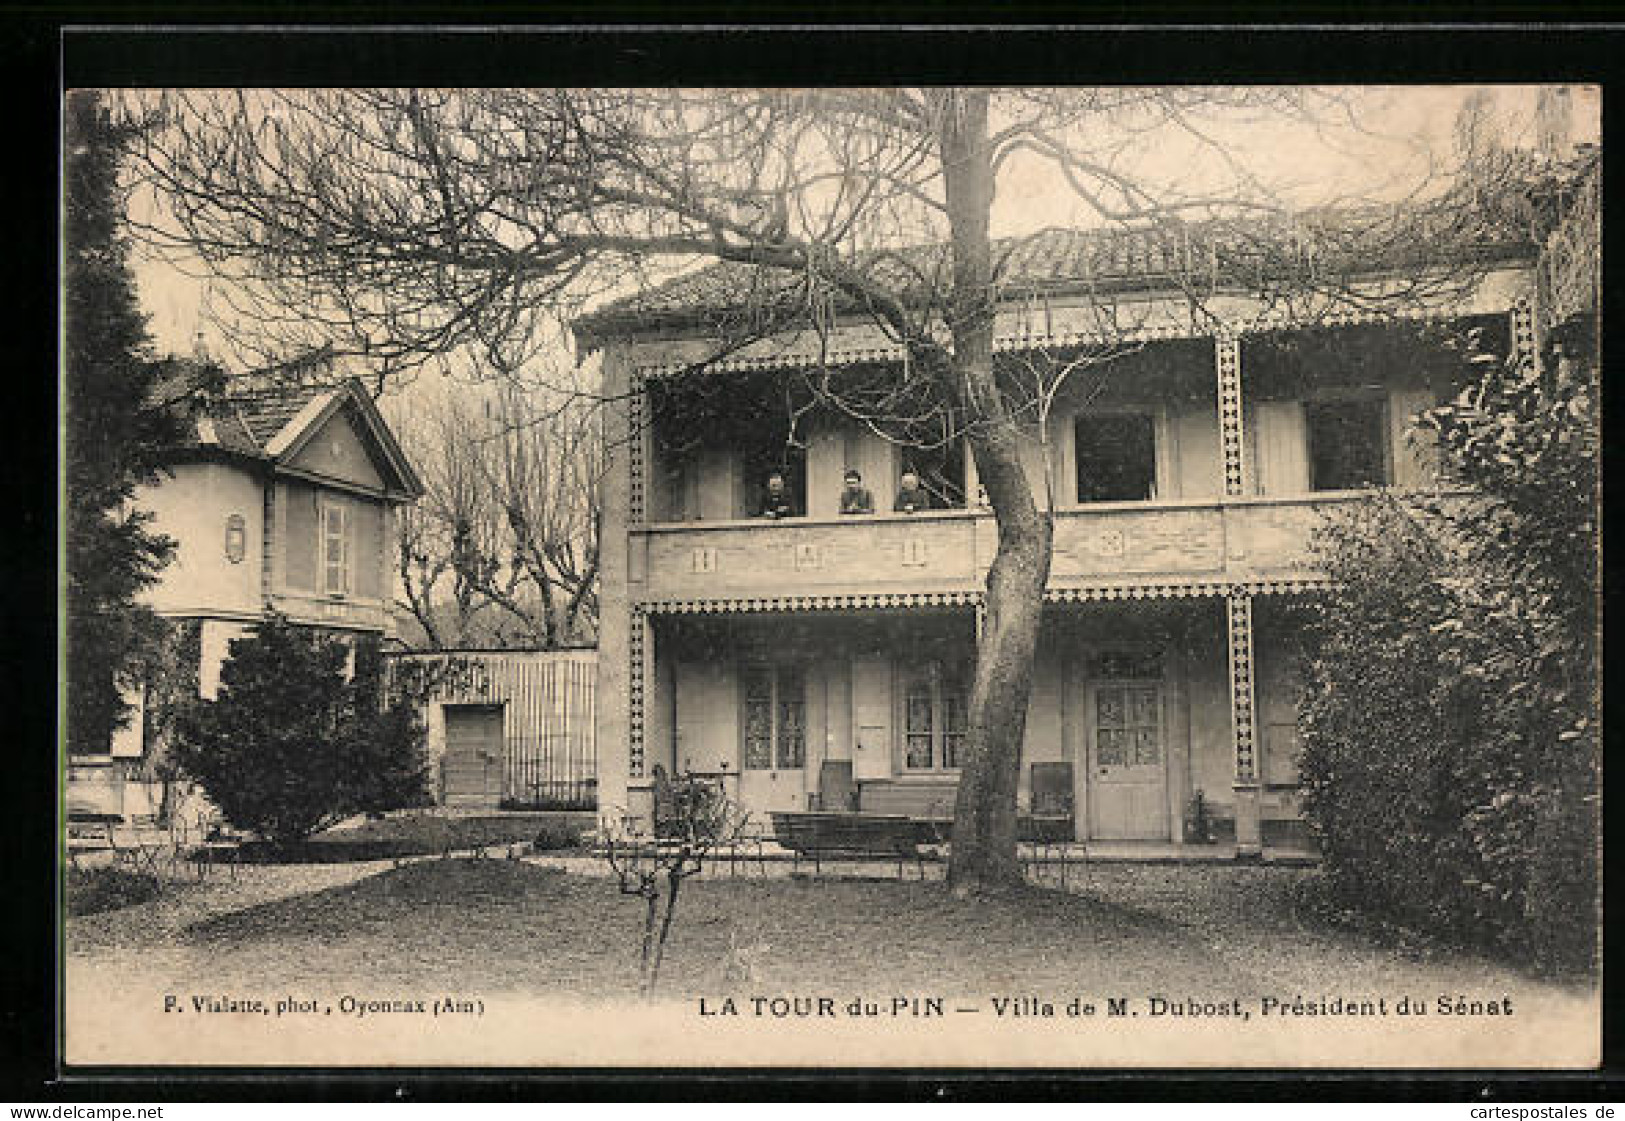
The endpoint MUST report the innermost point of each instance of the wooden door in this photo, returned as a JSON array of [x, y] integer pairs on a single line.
[[473, 761], [1128, 761]]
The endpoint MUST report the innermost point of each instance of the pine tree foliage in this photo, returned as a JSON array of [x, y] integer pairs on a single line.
[[117, 431]]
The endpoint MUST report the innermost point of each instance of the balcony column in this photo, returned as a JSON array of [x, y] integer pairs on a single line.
[[1243, 722], [637, 447], [1233, 460]]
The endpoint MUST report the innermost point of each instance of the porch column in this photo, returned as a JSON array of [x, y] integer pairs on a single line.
[[640, 643], [1243, 721]]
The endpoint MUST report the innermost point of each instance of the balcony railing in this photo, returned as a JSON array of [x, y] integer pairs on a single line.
[[951, 550]]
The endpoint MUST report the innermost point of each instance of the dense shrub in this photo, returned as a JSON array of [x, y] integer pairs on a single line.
[[1449, 721], [555, 833], [292, 744], [90, 890]]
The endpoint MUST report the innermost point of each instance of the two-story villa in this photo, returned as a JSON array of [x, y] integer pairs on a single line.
[[1186, 474], [282, 497]]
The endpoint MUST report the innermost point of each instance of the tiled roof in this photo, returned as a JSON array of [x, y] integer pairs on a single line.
[[265, 413], [1061, 260], [243, 421]]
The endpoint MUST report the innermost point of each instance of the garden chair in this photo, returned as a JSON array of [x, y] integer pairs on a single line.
[[837, 792], [1050, 825], [141, 844], [216, 843]]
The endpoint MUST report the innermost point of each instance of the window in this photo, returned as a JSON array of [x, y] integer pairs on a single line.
[[335, 549], [775, 718], [936, 724], [1128, 732], [1128, 708], [1117, 458], [1348, 445]]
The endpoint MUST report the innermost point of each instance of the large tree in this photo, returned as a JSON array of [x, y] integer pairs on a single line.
[[403, 226], [121, 417]]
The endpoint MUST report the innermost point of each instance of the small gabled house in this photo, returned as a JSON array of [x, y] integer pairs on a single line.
[[821, 657], [283, 496]]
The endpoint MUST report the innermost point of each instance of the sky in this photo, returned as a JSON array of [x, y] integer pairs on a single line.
[[1385, 157]]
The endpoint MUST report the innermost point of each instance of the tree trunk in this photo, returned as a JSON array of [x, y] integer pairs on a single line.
[[984, 835]]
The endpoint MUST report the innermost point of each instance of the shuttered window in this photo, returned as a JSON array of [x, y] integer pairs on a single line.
[[335, 544]]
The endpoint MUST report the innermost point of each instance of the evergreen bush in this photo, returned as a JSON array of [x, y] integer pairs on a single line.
[[1449, 715], [293, 743]]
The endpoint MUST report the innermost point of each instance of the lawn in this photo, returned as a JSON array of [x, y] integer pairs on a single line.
[[516, 930], [425, 834]]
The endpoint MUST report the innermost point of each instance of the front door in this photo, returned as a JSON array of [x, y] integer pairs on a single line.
[[1128, 772], [773, 748]]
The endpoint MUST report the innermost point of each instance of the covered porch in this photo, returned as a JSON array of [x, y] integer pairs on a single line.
[[1161, 725]]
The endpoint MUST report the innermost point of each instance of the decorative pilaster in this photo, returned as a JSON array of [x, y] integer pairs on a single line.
[[1243, 721], [637, 667], [1227, 366], [636, 442]]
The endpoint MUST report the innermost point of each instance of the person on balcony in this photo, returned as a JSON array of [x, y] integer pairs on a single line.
[[776, 502], [855, 498], [910, 496]]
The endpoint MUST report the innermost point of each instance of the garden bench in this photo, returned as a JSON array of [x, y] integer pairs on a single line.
[[91, 832], [854, 836]]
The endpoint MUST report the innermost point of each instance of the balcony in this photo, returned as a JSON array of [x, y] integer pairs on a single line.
[[949, 551]]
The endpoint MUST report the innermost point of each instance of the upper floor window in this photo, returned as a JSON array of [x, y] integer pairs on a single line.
[[335, 545], [1348, 443], [936, 712], [1117, 457]]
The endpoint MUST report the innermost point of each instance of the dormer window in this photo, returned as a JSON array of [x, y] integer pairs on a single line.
[[335, 544]]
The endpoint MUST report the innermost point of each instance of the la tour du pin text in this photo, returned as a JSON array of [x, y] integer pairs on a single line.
[[1077, 1007]]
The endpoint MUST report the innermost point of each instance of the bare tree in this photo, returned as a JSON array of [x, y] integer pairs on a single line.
[[401, 226], [694, 822], [503, 548]]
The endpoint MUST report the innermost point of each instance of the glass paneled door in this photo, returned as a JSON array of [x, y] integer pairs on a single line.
[[773, 751], [1128, 769]]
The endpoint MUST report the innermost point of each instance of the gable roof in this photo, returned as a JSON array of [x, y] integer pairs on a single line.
[[271, 424], [1056, 261]]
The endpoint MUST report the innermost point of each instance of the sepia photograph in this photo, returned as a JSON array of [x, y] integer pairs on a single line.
[[1068, 577]]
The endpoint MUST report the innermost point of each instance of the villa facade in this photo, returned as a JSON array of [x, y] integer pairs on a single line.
[[1187, 472]]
